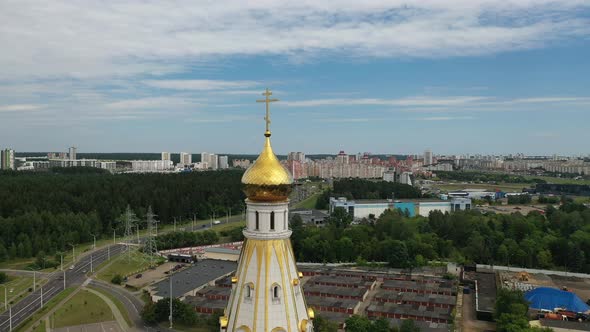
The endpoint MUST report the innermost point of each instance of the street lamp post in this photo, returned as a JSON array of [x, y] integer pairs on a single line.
[[171, 297], [5, 297], [73, 252], [94, 243]]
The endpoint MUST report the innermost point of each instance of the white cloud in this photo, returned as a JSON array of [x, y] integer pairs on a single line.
[[202, 85], [153, 102], [96, 39], [444, 118], [19, 108], [413, 101]]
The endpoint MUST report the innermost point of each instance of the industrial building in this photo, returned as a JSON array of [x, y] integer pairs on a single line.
[[365, 208]]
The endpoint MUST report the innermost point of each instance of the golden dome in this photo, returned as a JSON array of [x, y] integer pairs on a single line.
[[267, 179]]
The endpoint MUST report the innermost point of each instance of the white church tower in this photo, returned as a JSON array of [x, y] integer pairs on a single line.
[[266, 292]]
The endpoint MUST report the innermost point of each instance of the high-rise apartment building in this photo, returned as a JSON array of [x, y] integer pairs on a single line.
[[72, 153], [296, 156], [7, 159], [428, 160], [186, 158], [223, 162], [166, 156]]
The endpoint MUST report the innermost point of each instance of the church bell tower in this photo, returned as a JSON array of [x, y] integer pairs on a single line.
[[266, 292]]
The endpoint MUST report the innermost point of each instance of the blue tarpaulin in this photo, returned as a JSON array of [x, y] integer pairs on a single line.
[[551, 298]]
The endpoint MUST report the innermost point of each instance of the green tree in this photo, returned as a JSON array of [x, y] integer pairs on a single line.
[[320, 324], [356, 323], [408, 325], [3, 277], [117, 279]]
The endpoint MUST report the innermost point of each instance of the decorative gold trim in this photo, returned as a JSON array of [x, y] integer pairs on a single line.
[[223, 322], [234, 279], [280, 256], [244, 328], [300, 275], [295, 282], [310, 313], [303, 325]]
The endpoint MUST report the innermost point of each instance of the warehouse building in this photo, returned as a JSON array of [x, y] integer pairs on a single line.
[[365, 208]]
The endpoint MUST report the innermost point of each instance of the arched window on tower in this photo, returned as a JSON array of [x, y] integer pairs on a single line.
[[276, 293], [257, 221], [272, 221], [248, 292]]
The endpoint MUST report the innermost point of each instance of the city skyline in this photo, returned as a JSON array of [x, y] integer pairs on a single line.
[[387, 77]]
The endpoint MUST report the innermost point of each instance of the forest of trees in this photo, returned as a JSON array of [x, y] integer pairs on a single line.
[[559, 240], [364, 189], [43, 212], [485, 177]]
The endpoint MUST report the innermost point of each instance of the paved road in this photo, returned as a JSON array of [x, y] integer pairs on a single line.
[[132, 304], [73, 277]]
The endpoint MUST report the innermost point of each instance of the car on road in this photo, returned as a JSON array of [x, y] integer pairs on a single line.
[[72, 267], [139, 275], [216, 222]]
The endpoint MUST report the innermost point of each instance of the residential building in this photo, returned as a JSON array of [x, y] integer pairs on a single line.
[[72, 153], [7, 159], [186, 158], [148, 166], [223, 162], [428, 160], [166, 156]]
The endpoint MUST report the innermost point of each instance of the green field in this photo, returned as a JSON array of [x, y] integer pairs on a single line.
[[82, 308], [118, 303], [308, 203], [33, 320], [125, 266]]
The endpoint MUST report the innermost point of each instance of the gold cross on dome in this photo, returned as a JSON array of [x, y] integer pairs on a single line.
[[267, 100]]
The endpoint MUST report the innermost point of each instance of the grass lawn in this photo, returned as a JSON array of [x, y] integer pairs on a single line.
[[124, 266], [33, 320], [40, 327], [17, 287], [118, 303], [308, 203], [83, 308], [225, 227]]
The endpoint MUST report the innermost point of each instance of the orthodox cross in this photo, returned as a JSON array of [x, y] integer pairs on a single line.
[[267, 100]]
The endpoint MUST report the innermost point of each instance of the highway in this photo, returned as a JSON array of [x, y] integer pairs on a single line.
[[77, 276], [73, 277]]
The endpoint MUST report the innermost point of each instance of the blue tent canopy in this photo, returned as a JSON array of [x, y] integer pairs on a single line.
[[551, 298]]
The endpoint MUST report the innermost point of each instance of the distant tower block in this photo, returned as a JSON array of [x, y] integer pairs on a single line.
[[266, 291]]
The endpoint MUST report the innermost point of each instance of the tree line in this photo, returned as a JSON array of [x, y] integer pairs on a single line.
[[46, 211], [486, 177], [560, 239]]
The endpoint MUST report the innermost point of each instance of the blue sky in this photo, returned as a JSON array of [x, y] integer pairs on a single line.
[[379, 76]]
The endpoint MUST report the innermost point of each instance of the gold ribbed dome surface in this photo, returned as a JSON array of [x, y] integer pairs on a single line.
[[267, 179]]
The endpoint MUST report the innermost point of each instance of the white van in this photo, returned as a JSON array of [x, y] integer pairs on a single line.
[[216, 222]]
